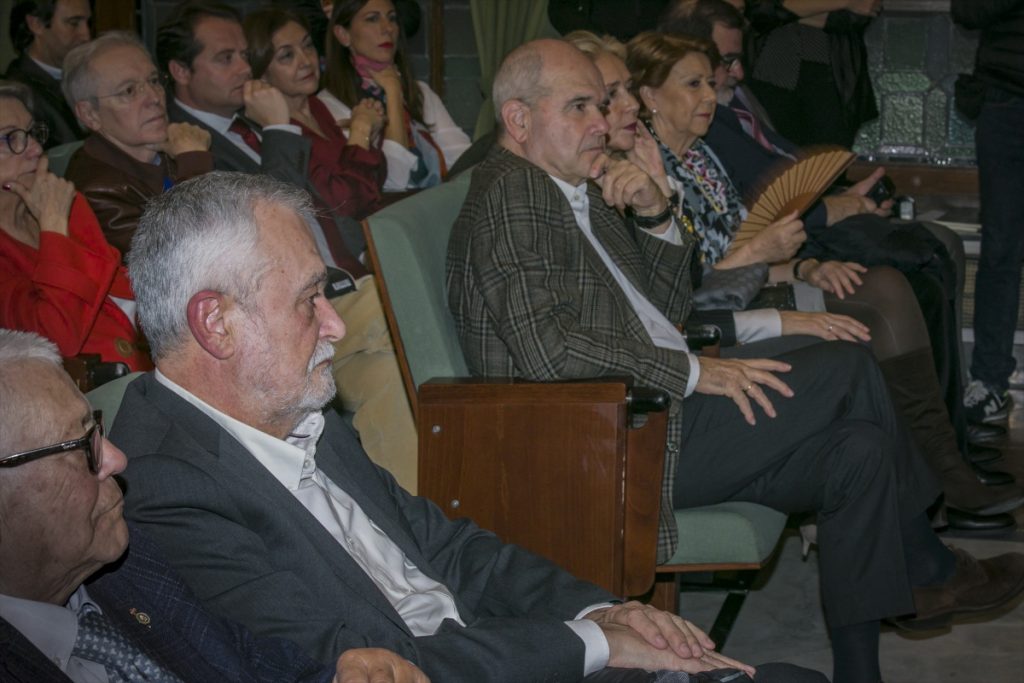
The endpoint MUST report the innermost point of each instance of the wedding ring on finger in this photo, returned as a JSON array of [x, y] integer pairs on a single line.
[[747, 388], [829, 328]]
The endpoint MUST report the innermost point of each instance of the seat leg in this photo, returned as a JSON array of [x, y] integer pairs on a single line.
[[665, 595], [727, 617]]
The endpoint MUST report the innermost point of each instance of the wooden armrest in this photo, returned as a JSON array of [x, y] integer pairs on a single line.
[[559, 468]]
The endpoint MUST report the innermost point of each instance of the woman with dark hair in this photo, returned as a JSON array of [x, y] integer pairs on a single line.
[[348, 172], [366, 58], [58, 275]]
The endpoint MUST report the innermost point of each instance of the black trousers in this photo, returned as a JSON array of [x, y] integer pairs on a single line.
[[836, 448], [766, 673]]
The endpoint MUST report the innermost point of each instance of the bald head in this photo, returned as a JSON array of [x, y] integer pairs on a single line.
[[549, 96], [522, 74]]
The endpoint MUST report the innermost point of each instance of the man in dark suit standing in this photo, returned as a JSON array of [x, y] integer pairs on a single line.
[[43, 31], [271, 509], [75, 604]]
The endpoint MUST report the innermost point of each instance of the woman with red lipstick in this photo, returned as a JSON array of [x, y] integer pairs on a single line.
[[366, 58], [348, 172], [58, 276]]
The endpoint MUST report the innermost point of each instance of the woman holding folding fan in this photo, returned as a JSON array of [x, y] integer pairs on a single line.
[[880, 298]]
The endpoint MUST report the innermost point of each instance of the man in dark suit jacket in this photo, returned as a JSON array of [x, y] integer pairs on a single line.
[[546, 281], [272, 511], [63, 555], [43, 32]]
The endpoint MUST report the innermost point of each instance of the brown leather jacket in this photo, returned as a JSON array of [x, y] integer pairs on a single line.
[[118, 186]]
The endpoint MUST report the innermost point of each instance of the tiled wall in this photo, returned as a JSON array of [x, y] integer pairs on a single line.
[[914, 60]]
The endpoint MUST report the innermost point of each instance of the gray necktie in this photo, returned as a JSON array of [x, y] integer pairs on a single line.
[[101, 642]]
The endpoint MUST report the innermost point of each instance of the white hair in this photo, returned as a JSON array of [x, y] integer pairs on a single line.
[[200, 235], [78, 80], [17, 346], [16, 349]]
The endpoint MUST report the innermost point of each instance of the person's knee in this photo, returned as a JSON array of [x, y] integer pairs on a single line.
[[859, 457]]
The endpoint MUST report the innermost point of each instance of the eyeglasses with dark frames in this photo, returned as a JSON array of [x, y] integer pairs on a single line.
[[17, 139], [91, 444]]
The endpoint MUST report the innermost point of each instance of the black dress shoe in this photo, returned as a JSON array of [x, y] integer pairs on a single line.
[[966, 522], [992, 477], [983, 433], [980, 455]]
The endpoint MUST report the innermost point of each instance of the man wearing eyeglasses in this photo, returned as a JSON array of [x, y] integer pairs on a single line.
[[132, 152], [43, 31], [74, 604]]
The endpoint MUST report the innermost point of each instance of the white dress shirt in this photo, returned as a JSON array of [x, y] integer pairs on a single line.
[[663, 333], [55, 73], [422, 602], [52, 629]]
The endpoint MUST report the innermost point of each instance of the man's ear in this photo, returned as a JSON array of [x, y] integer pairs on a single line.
[[515, 115], [35, 24], [179, 72], [342, 35], [88, 114], [207, 319]]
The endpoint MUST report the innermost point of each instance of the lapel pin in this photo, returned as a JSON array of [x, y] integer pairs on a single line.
[[140, 617]]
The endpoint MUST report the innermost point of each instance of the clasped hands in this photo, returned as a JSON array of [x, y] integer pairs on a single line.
[[643, 637]]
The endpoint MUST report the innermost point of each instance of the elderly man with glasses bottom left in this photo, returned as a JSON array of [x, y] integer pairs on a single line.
[[76, 602]]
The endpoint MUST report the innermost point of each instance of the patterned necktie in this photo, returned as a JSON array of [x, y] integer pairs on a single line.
[[101, 642], [242, 129], [753, 127]]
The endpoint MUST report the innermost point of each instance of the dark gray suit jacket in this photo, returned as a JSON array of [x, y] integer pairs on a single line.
[[284, 156], [253, 553]]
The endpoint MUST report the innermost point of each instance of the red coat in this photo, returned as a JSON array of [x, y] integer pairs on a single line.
[[348, 177], [62, 291]]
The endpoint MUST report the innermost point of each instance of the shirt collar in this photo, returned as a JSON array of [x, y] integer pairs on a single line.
[[575, 194], [52, 629], [55, 73], [289, 460], [216, 121]]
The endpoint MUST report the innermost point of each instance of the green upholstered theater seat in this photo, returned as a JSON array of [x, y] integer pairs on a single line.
[[727, 533], [107, 398], [60, 156], [410, 240]]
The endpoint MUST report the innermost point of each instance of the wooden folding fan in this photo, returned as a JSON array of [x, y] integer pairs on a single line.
[[796, 188]]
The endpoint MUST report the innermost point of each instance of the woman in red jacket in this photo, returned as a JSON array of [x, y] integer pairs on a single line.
[[347, 172], [58, 275]]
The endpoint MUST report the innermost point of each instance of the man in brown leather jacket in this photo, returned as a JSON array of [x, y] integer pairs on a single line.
[[132, 152]]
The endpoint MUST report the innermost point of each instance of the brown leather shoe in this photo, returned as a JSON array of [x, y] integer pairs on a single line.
[[976, 586]]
